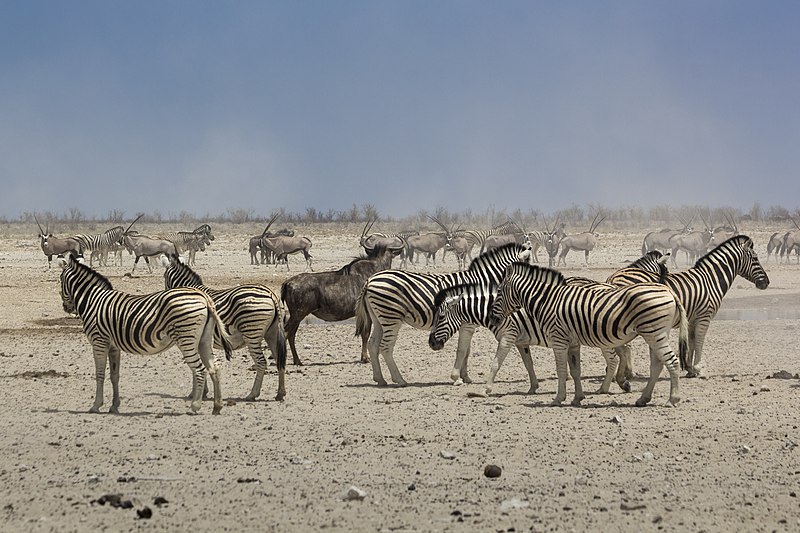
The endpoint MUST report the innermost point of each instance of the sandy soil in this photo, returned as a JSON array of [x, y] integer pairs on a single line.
[[725, 459]]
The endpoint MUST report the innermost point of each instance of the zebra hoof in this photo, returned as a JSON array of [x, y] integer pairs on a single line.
[[626, 386], [693, 373]]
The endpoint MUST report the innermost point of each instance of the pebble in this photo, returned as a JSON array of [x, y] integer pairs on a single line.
[[513, 503], [616, 419], [144, 513], [492, 471], [445, 454], [354, 493]]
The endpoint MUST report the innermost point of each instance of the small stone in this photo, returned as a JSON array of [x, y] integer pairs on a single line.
[[744, 449], [647, 456], [783, 374], [616, 419], [492, 471], [159, 501], [412, 487], [764, 388], [144, 513], [513, 503], [354, 493], [446, 454]]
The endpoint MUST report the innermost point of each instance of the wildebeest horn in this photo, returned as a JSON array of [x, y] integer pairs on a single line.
[[134, 222], [41, 231], [794, 221]]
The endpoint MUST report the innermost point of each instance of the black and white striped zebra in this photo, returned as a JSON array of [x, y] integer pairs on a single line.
[[701, 288], [472, 304], [571, 315], [478, 237], [252, 313], [394, 297], [117, 322], [99, 245], [186, 241]]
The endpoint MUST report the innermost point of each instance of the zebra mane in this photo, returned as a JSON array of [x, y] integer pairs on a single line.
[[737, 241], [546, 275], [487, 257], [186, 270], [92, 273], [449, 292], [646, 260]]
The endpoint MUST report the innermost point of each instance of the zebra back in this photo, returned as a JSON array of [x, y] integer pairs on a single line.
[[397, 295]]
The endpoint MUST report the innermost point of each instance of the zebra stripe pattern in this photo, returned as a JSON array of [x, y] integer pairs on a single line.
[[252, 313], [102, 243], [700, 289], [591, 315], [190, 241], [393, 297], [471, 304], [115, 322]]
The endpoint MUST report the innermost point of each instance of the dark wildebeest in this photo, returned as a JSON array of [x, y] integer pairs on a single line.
[[331, 296], [56, 245]]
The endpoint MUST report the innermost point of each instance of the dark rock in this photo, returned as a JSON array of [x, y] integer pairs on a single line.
[[144, 512], [492, 471]]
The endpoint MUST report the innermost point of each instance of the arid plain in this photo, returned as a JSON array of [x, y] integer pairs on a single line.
[[726, 459]]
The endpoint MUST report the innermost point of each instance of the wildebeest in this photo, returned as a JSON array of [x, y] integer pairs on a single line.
[[52, 245], [331, 296]]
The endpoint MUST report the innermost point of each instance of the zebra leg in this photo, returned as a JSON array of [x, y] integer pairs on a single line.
[[257, 354], [527, 360], [561, 356], [210, 363], [574, 360], [100, 352], [388, 349], [661, 354], [374, 347], [612, 361], [113, 363], [696, 347], [625, 368], [503, 347], [459, 374]]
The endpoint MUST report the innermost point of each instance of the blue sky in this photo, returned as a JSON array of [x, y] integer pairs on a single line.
[[407, 105]]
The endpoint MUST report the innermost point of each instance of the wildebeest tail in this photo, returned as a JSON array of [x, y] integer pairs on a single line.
[[363, 320]]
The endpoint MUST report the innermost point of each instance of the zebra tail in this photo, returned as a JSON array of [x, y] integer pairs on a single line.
[[279, 318], [224, 337], [363, 320], [683, 337]]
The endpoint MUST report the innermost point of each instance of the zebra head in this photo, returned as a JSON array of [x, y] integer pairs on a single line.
[[749, 267], [77, 279], [446, 319]]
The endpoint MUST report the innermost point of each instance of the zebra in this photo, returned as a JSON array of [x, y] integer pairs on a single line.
[[571, 315], [115, 322], [478, 237], [100, 244], [701, 288], [472, 304], [252, 313], [393, 297], [189, 241]]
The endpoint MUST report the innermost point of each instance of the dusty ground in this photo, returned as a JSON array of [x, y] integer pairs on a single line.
[[725, 459]]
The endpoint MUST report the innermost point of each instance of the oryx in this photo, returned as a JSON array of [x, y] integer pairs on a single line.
[[52, 245], [585, 241]]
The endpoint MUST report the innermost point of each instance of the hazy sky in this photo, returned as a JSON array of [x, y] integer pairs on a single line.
[[407, 105]]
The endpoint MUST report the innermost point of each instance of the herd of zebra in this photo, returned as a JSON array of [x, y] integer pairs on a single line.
[[521, 303]]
